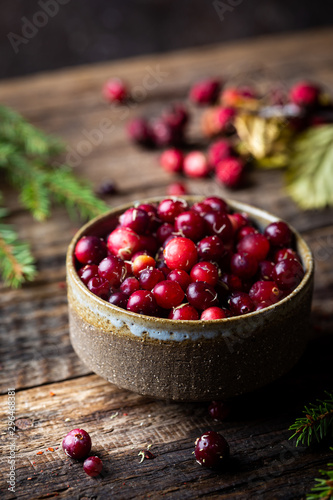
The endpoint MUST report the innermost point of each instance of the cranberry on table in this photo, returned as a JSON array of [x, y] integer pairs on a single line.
[[181, 277], [87, 272], [172, 160], [184, 312], [150, 277], [77, 444], [130, 285], [168, 294], [90, 250], [176, 189], [304, 94], [112, 268], [180, 253], [211, 450], [168, 209], [196, 165], [219, 150], [229, 171], [201, 295], [99, 286], [218, 224], [123, 242], [278, 234], [115, 90], [136, 219], [205, 91], [190, 225], [205, 271], [93, 466], [142, 302], [264, 291], [214, 313], [211, 248], [139, 131], [219, 410], [256, 245], [243, 265], [288, 274], [240, 303], [163, 134], [176, 116]]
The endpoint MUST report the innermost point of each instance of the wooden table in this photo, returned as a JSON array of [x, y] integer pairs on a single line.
[[56, 393]]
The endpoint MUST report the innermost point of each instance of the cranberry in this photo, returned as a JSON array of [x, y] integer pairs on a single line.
[[218, 224], [77, 444], [223, 119], [90, 250], [152, 212], [256, 245], [278, 234], [233, 96], [150, 277], [172, 160], [229, 171], [214, 313], [107, 188], [118, 299], [181, 277], [163, 133], [99, 286], [205, 271], [123, 242], [287, 274], [112, 268], [263, 305], [139, 131], [115, 90], [184, 312], [164, 231], [245, 231], [205, 91], [148, 243], [201, 295], [176, 189], [168, 209], [286, 253], [168, 294], [219, 410], [93, 466], [190, 225], [201, 208], [129, 286], [211, 450], [266, 269], [238, 220], [215, 203], [304, 94], [180, 253], [243, 265], [142, 262], [240, 303], [196, 164], [142, 302], [211, 248], [136, 219], [176, 116], [232, 282], [87, 272], [264, 291], [219, 150]]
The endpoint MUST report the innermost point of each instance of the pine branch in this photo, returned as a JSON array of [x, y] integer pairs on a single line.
[[317, 423], [323, 490]]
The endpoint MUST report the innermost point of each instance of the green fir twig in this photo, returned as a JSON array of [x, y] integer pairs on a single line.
[[323, 489]]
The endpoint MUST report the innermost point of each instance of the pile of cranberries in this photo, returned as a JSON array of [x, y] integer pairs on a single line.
[[182, 262]]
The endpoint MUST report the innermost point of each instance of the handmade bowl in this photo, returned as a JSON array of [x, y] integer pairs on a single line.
[[188, 360]]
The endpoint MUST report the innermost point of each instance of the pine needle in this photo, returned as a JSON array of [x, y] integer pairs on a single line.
[[323, 489]]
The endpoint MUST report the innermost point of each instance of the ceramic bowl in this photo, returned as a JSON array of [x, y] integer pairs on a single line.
[[188, 360]]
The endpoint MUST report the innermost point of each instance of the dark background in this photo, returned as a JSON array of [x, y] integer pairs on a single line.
[[96, 30]]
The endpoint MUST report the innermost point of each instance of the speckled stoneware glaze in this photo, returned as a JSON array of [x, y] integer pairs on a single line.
[[188, 360]]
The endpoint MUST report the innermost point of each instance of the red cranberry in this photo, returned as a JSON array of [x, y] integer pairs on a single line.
[[181, 277], [233, 96], [243, 265], [184, 312], [265, 270], [142, 302], [245, 231], [232, 282], [148, 243], [118, 299], [215, 203], [164, 231], [264, 291], [201, 295], [304, 94], [240, 303], [211, 248], [219, 150], [201, 208], [214, 313], [129, 286], [142, 262], [93, 466], [112, 269], [77, 444], [176, 116], [163, 133], [136, 219], [168, 209], [286, 253], [115, 90], [256, 245], [211, 450], [180, 253], [152, 212], [218, 224], [278, 234], [190, 225], [196, 164], [168, 294], [288, 274], [123, 242], [87, 272], [262, 305], [150, 277], [205, 91], [219, 410], [99, 286], [223, 118], [90, 250], [107, 188], [229, 171], [139, 131], [176, 189], [172, 160], [205, 271], [238, 220]]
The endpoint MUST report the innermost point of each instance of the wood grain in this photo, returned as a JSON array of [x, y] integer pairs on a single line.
[[37, 358]]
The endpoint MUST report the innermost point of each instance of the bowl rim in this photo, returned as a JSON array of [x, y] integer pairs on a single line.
[[234, 204]]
